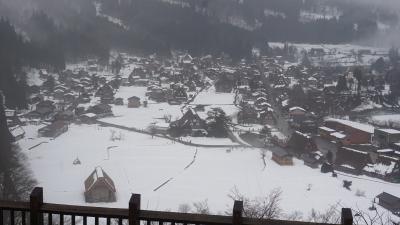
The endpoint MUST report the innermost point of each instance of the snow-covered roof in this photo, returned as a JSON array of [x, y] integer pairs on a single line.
[[162, 125], [303, 134], [338, 135], [380, 168], [98, 175], [327, 129], [90, 115], [285, 102], [390, 131], [387, 150], [355, 150], [359, 126], [17, 131], [297, 108]]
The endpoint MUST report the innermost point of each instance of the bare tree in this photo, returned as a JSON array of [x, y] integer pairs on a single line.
[[184, 208], [374, 217], [331, 215], [294, 216], [201, 207], [266, 207]]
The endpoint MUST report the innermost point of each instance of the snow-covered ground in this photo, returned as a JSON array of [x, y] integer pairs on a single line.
[[140, 164], [141, 117], [209, 141], [339, 54], [210, 97]]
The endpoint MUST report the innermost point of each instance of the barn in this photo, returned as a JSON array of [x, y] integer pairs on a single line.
[[99, 187]]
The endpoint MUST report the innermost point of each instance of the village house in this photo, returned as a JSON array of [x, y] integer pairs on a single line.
[[296, 111], [101, 110], [53, 130], [43, 110], [189, 124], [355, 133], [313, 159], [88, 118], [386, 137], [248, 114], [316, 52], [133, 102], [106, 94], [389, 202], [119, 101], [43, 74], [224, 84], [12, 118], [159, 128], [67, 116], [282, 157], [353, 159], [69, 97], [58, 94], [99, 187], [301, 143], [325, 132], [17, 132]]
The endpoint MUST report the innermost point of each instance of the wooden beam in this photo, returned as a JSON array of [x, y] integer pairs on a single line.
[[134, 210], [237, 214], [36, 202]]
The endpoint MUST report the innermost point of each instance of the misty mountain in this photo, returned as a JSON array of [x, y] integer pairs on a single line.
[[199, 26]]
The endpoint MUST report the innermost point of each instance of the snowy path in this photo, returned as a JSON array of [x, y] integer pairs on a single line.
[[178, 140], [186, 167]]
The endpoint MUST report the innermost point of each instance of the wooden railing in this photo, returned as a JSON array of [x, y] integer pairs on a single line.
[[40, 213]]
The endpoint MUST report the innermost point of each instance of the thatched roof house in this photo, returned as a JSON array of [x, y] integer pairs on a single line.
[[99, 187]]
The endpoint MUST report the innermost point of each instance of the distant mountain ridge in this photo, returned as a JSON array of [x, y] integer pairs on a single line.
[[207, 26]]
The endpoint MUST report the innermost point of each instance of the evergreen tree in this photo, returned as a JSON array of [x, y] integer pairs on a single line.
[[305, 61], [358, 74], [218, 123], [5, 153], [50, 83], [394, 56], [379, 65], [341, 84], [297, 96]]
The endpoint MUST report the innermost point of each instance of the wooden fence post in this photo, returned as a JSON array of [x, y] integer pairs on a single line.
[[134, 209], [237, 213], [36, 202], [347, 216]]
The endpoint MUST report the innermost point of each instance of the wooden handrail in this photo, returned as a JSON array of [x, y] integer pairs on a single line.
[[253, 221], [134, 214], [12, 205], [184, 217], [84, 210]]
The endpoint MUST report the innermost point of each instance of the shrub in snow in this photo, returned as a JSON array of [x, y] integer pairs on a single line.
[[184, 208], [116, 137], [77, 161], [360, 193], [331, 215], [347, 184]]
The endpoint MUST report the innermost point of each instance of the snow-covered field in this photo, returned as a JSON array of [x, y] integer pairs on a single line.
[[339, 54], [141, 117], [140, 164], [214, 99]]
